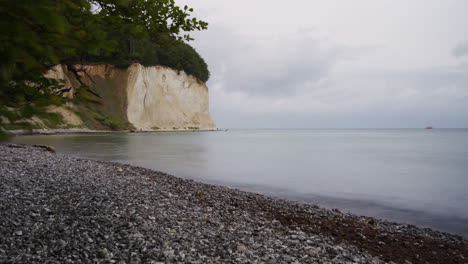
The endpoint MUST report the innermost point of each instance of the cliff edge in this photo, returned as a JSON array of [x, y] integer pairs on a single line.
[[145, 98]]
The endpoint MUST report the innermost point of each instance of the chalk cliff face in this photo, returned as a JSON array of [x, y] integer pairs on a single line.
[[148, 97], [161, 97]]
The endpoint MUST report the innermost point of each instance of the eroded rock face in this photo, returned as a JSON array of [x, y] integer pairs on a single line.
[[59, 72], [148, 97], [160, 97]]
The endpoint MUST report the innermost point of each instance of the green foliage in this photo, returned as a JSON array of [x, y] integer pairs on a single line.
[[111, 122], [37, 34], [156, 128], [174, 53], [193, 128], [149, 19], [83, 95], [115, 124], [182, 56], [98, 108], [51, 120], [4, 136], [22, 126], [21, 99], [28, 111], [148, 32], [22, 119]]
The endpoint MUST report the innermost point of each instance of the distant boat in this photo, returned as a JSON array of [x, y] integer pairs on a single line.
[[428, 127]]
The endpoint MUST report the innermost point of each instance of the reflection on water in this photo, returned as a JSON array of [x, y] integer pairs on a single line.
[[414, 176]]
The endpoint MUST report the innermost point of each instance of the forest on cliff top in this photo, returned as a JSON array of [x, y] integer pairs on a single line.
[[38, 34]]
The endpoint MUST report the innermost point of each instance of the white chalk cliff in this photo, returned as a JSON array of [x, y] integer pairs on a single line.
[[155, 97], [159, 96]]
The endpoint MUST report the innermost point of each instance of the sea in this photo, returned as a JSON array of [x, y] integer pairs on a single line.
[[409, 176]]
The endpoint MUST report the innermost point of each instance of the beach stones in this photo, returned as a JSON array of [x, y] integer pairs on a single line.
[[58, 208]]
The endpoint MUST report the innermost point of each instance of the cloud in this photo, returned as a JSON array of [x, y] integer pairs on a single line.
[[269, 66], [332, 66], [433, 91], [460, 50], [299, 73]]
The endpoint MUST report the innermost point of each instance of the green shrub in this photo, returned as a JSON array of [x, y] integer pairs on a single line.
[[51, 120], [4, 136], [83, 95], [22, 126], [28, 111], [172, 53], [111, 122]]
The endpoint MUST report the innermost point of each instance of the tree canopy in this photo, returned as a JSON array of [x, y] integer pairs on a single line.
[[38, 34]]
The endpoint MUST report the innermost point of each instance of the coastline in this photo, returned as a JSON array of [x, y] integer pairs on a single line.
[[76, 131], [152, 216]]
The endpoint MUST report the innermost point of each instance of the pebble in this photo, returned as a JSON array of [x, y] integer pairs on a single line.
[[80, 211]]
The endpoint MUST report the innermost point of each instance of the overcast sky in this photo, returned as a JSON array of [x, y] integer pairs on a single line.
[[335, 63]]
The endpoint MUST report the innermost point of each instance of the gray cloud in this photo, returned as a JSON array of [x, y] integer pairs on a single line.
[[460, 50], [375, 119], [335, 64], [268, 66], [433, 90]]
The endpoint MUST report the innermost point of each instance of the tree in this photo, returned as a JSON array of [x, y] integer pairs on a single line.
[[37, 34]]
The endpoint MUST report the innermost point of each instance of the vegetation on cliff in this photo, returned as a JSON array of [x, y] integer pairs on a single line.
[[170, 52], [38, 34]]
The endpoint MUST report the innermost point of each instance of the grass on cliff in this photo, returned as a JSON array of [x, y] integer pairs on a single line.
[[51, 120], [99, 112], [26, 121], [22, 126]]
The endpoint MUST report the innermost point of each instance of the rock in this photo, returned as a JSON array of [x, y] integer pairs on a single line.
[[46, 147], [50, 148], [61, 243], [18, 233], [104, 254], [135, 260], [169, 253], [15, 146], [241, 248]]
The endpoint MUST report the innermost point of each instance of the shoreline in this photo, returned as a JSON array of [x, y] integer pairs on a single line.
[[220, 223], [389, 213], [77, 131]]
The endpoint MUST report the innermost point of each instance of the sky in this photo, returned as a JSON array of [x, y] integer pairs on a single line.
[[335, 63]]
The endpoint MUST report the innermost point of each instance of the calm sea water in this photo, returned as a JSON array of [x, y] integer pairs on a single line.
[[411, 176]]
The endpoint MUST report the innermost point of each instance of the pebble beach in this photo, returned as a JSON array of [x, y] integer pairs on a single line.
[[60, 208]]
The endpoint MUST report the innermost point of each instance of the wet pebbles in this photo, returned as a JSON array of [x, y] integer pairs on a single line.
[[57, 208]]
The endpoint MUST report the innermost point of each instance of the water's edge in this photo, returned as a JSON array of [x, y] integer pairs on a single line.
[[365, 208], [220, 158]]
